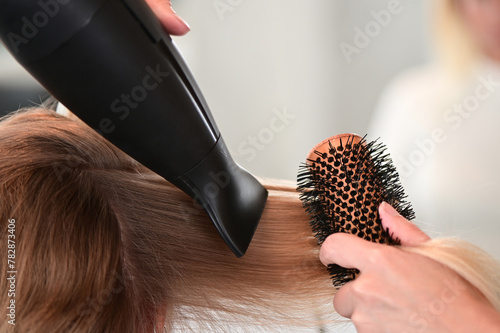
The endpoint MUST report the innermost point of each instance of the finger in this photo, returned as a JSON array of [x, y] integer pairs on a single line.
[[168, 18], [399, 227], [347, 250], [343, 301]]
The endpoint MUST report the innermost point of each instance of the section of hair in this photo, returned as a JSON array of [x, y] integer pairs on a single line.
[[470, 262], [105, 245]]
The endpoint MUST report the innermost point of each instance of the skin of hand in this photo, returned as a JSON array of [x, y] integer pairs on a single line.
[[172, 23], [404, 292]]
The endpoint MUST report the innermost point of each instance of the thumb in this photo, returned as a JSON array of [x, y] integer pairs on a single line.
[[399, 227]]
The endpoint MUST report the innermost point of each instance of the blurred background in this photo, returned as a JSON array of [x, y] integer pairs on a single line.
[[257, 61], [274, 72], [17, 88]]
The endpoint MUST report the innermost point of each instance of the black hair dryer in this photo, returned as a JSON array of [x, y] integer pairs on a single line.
[[111, 63]]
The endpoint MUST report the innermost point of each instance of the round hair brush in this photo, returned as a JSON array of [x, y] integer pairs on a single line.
[[342, 184]]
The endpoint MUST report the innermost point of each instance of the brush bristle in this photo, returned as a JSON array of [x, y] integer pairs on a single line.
[[342, 184]]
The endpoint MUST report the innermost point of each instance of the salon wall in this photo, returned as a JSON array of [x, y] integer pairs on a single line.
[[17, 87], [282, 75]]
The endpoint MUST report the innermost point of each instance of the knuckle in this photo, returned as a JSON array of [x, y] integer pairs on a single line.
[[362, 288], [380, 255]]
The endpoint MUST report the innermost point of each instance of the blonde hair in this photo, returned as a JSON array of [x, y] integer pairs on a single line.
[[104, 245], [455, 45]]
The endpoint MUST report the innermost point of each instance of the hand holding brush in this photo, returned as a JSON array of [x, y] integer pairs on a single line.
[[390, 276]]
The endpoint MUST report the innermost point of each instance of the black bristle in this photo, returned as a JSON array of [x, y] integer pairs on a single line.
[[342, 189]]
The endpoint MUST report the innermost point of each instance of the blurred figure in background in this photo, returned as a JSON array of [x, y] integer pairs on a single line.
[[441, 123]]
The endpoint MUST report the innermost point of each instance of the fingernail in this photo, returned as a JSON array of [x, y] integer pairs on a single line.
[[183, 22], [166, 7], [388, 209]]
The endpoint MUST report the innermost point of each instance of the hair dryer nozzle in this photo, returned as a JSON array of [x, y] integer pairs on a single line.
[[231, 196]]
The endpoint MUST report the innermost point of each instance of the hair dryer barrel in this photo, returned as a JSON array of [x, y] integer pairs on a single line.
[[111, 64]]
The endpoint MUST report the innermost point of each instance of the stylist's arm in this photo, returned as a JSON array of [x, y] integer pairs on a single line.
[[398, 291]]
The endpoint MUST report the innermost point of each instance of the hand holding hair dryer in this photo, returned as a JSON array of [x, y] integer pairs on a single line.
[[111, 63]]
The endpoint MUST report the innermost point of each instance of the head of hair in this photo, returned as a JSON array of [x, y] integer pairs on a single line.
[[99, 243], [102, 244]]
